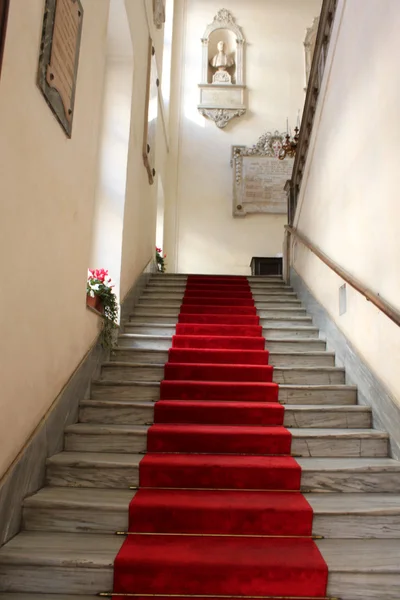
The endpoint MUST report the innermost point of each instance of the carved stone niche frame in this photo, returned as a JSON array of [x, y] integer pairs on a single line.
[[259, 177], [223, 101]]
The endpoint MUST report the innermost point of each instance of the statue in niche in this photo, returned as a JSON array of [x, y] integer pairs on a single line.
[[222, 62]]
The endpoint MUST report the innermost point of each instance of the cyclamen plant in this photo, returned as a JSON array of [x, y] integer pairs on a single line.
[[160, 260], [99, 284]]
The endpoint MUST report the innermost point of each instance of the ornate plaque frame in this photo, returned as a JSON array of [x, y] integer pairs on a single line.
[[259, 177], [59, 58], [151, 114]]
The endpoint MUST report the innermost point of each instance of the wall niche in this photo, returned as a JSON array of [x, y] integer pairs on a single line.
[[222, 87]]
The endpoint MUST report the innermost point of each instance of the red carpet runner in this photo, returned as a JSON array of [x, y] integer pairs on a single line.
[[219, 511]]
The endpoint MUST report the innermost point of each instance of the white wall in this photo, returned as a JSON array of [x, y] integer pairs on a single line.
[[349, 199], [201, 234], [114, 146], [140, 215], [47, 185]]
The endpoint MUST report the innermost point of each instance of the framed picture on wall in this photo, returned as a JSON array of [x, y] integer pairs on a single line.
[[151, 114]]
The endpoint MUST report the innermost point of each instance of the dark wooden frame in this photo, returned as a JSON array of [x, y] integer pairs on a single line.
[[4, 8], [50, 94], [326, 21]]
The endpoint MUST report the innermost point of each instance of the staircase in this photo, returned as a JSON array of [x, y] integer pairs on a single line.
[[67, 545]]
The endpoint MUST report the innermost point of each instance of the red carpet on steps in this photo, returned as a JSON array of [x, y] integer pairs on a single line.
[[219, 512]]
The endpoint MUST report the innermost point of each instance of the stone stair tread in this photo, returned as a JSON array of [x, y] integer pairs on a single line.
[[116, 363], [309, 353], [282, 386], [99, 428], [60, 497], [66, 550], [124, 402], [360, 464], [115, 500], [104, 459]]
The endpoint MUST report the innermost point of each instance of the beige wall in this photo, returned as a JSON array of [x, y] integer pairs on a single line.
[[349, 199], [52, 191], [47, 187], [201, 234], [141, 199]]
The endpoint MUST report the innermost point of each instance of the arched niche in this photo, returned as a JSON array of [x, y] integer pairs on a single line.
[[222, 98], [223, 28]]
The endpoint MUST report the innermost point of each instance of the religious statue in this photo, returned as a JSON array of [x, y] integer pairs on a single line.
[[222, 62]]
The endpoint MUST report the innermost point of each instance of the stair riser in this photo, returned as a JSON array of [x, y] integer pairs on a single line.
[[117, 415], [277, 360], [286, 396], [329, 447], [289, 333], [75, 520], [53, 580], [95, 520], [300, 345], [364, 586], [162, 320], [290, 376], [317, 481], [293, 418]]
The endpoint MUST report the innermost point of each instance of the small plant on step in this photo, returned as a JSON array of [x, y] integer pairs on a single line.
[[100, 295], [160, 260]]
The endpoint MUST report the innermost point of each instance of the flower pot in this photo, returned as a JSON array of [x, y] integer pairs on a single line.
[[95, 302]]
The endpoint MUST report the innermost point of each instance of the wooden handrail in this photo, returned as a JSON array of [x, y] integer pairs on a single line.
[[390, 311], [326, 20]]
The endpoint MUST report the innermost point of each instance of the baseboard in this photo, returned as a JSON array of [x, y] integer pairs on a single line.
[[27, 474], [371, 391]]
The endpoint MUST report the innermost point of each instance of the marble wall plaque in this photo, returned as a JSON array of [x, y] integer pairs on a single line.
[[222, 96], [259, 177], [59, 57]]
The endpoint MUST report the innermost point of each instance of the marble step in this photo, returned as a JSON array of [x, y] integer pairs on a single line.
[[131, 412], [123, 371], [157, 342], [265, 322], [121, 471], [266, 302], [181, 285], [183, 277], [72, 510], [270, 332], [277, 359], [258, 295], [155, 311], [330, 443], [288, 394], [82, 564]]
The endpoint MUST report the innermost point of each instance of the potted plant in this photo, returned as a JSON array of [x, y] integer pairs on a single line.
[[160, 260], [100, 296]]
